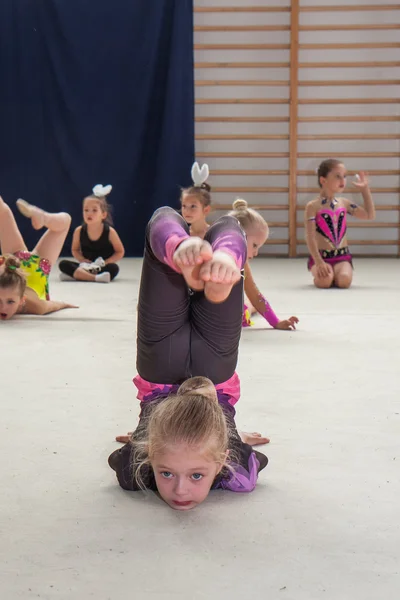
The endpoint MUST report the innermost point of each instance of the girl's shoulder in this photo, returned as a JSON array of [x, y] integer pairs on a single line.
[[342, 202], [313, 206]]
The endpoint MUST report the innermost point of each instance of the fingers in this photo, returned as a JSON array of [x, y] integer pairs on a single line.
[[362, 180], [123, 439], [323, 271]]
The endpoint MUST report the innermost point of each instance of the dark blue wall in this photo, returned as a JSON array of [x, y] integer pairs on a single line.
[[96, 92]]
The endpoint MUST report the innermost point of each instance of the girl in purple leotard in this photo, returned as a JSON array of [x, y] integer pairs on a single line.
[[330, 259], [188, 331]]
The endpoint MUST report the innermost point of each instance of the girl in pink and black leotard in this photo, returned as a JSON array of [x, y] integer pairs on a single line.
[[330, 259]]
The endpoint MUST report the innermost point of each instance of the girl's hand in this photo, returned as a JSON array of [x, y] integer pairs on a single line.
[[67, 305], [287, 324], [323, 269], [362, 181]]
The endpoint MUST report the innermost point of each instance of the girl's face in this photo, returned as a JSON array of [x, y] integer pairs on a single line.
[[10, 301], [193, 210], [92, 213], [256, 237], [184, 476], [335, 181]]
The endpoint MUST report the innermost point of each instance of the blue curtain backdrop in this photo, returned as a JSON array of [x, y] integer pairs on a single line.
[[96, 92]]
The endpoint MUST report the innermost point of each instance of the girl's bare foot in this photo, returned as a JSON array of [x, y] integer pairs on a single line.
[[124, 439], [35, 214], [253, 439], [40, 218], [219, 275], [190, 255]]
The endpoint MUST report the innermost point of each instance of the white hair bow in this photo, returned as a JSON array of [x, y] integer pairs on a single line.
[[199, 176], [101, 190]]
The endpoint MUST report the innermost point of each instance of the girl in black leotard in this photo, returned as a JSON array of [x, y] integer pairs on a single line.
[[95, 244]]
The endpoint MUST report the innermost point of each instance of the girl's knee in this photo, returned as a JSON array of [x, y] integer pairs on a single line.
[[323, 282], [343, 280], [67, 220]]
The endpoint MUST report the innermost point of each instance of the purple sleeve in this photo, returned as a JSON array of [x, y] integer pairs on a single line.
[[245, 465], [244, 477], [165, 235], [233, 243]]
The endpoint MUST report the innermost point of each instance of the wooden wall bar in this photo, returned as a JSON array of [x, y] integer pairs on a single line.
[[279, 88]]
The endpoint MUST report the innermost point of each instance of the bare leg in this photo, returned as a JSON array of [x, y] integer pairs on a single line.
[[82, 275], [10, 238], [50, 244], [323, 282], [343, 274]]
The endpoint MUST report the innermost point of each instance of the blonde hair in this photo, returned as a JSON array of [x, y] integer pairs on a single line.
[[188, 418], [248, 218], [103, 205], [10, 274], [201, 193]]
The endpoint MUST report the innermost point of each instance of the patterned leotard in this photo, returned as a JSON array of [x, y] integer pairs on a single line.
[[37, 271], [331, 223]]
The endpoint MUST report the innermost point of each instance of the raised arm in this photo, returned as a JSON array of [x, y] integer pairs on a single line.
[[367, 211]]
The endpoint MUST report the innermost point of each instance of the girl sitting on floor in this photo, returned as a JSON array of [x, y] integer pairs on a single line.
[[95, 244]]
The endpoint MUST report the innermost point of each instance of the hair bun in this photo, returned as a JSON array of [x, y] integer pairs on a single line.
[[205, 186], [12, 262], [9, 262], [240, 204]]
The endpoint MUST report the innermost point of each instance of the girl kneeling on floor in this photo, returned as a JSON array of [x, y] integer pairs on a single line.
[[330, 259]]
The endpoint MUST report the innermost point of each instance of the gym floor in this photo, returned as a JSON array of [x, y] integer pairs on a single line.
[[323, 521]]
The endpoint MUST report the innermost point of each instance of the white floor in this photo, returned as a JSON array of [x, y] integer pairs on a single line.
[[323, 522]]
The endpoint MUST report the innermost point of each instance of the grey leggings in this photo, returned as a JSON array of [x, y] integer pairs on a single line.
[[180, 334]]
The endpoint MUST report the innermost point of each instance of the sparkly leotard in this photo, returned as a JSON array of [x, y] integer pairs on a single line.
[[331, 223]]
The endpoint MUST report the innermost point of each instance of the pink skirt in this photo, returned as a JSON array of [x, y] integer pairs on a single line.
[[332, 257]]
